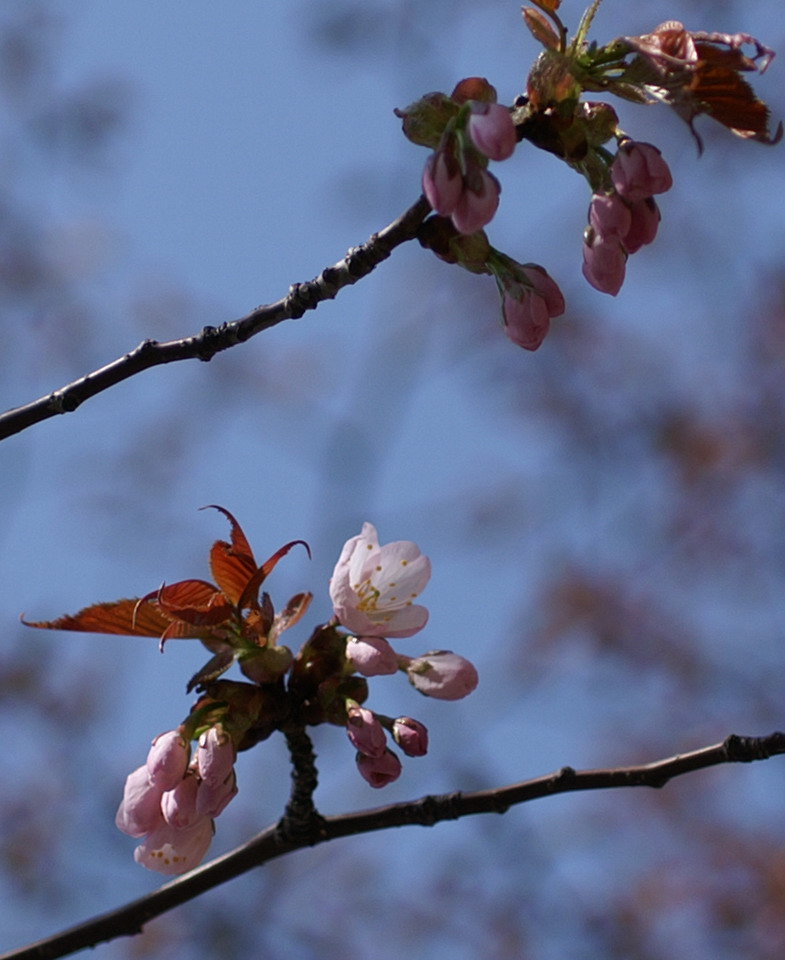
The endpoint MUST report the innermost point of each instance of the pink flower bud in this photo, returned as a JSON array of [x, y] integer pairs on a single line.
[[609, 216], [168, 759], [526, 320], [179, 805], [443, 675], [491, 129], [365, 731], [545, 286], [215, 756], [442, 182], [644, 221], [379, 771], [139, 812], [411, 736], [371, 656], [639, 171], [213, 798], [478, 201], [172, 851], [530, 297], [604, 263]]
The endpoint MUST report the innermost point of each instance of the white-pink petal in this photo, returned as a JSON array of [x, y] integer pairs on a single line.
[[140, 810], [172, 851]]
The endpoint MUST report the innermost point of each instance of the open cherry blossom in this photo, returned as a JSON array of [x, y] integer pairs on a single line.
[[373, 587]]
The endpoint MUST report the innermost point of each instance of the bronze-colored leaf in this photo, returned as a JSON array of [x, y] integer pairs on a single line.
[[474, 88], [240, 543], [232, 564], [213, 669], [251, 591], [120, 617], [182, 630], [731, 101], [294, 610], [195, 601], [549, 6], [541, 29]]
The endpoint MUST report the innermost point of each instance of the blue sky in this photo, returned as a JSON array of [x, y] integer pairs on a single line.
[[252, 156]]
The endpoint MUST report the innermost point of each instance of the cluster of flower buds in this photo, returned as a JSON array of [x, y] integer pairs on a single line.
[[624, 219], [373, 589], [172, 800], [467, 129], [695, 72]]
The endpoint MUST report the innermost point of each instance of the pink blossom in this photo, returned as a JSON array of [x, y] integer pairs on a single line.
[[215, 755], [372, 586], [645, 219], [371, 656], [442, 181], [213, 798], [411, 736], [365, 731], [492, 130], [140, 809], [172, 851], [478, 201], [604, 263], [179, 805], [638, 171], [379, 771], [443, 675], [168, 759]]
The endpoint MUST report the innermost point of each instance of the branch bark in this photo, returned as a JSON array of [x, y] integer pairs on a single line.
[[427, 811], [357, 263]]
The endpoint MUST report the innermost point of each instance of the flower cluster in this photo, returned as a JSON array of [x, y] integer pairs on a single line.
[[625, 218], [172, 800], [373, 589], [694, 72]]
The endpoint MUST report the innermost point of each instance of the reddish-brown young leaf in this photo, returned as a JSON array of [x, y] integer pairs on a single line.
[[717, 89], [474, 88], [195, 601], [541, 28], [549, 6], [232, 564], [213, 669], [129, 617], [250, 594], [292, 613]]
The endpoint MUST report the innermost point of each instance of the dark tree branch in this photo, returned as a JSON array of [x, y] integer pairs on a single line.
[[427, 811], [357, 263]]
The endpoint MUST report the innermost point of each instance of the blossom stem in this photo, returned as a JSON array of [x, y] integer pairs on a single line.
[[301, 820]]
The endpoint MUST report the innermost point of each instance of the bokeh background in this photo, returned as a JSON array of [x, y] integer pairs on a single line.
[[605, 518]]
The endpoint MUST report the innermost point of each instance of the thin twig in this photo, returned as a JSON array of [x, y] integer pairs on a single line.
[[357, 263], [427, 811]]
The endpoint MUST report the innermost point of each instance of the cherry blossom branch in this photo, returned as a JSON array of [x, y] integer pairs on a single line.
[[427, 811], [358, 263]]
